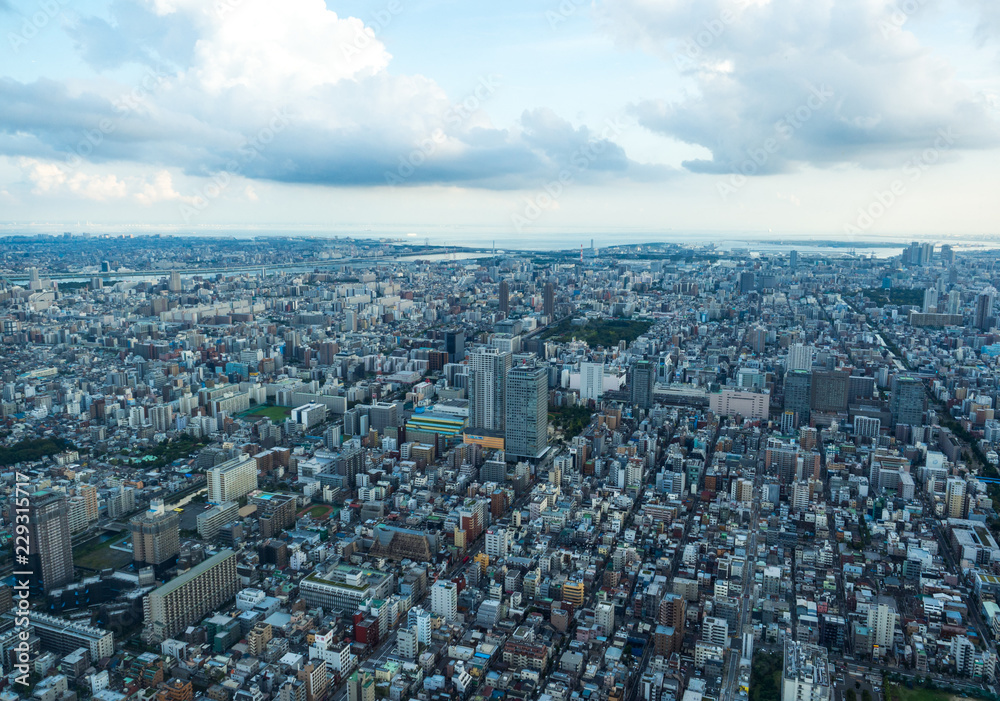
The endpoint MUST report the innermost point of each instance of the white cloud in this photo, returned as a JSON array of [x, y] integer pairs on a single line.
[[750, 67], [53, 179]]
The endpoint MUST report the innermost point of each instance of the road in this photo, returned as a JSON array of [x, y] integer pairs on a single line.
[[730, 682]]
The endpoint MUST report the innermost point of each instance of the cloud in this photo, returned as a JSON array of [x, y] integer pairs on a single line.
[[55, 179], [296, 95], [823, 82]]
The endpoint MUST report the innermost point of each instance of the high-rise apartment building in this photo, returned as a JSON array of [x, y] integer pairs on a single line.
[[155, 535], [50, 553], [444, 599], [488, 368], [186, 599], [232, 479]]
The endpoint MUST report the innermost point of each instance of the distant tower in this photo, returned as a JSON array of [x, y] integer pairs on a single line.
[[175, 281], [549, 303], [793, 259]]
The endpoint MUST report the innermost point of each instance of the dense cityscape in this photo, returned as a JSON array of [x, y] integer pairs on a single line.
[[320, 469]]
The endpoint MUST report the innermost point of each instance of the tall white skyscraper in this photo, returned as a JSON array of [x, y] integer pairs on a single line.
[[591, 381], [800, 357], [488, 368]]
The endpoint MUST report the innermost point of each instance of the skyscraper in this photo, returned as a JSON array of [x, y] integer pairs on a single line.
[[907, 402], [504, 296], [793, 259], [488, 368], [798, 394], [527, 425], [930, 300], [50, 553], [984, 308], [643, 380], [155, 535], [454, 344], [549, 300], [591, 380]]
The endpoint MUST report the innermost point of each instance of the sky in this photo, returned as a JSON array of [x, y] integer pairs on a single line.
[[854, 119]]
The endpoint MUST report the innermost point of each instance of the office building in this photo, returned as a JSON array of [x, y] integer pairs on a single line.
[[231, 480], [383, 415], [805, 673], [504, 297], [591, 381], [454, 345], [907, 402], [187, 598], [549, 300], [344, 587], [527, 408], [798, 395], [642, 384], [829, 390]]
